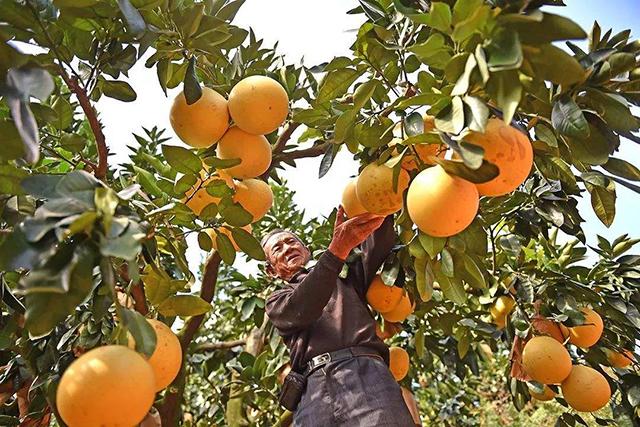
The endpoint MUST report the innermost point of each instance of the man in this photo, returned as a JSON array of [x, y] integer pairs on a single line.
[[328, 328]]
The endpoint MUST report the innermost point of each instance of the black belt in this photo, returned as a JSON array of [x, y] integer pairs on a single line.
[[335, 356]]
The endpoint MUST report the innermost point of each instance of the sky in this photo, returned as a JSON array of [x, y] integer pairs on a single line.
[[316, 32]]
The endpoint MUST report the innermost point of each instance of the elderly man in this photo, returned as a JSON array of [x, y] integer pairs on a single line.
[[330, 333]]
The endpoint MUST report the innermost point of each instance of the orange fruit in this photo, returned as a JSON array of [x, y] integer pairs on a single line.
[[547, 394], [258, 105], [401, 311], [350, 203], [166, 359], [585, 389], [197, 198], [620, 360], [203, 123], [212, 232], [381, 297], [507, 148], [501, 309], [440, 204], [374, 189], [107, 386], [254, 152], [548, 327], [590, 332], [546, 360], [255, 196], [398, 362]]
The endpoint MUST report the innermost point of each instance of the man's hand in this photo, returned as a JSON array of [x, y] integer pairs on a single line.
[[349, 233]]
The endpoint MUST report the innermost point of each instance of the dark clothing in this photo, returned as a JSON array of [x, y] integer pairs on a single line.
[[318, 312], [355, 392]]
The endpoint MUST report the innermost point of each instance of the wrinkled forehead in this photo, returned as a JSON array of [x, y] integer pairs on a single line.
[[272, 239]]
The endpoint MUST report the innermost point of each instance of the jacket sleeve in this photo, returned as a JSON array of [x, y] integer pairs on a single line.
[[297, 306], [375, 249]]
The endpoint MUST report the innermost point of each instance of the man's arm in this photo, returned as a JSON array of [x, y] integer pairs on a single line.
[[296, 307], [376, 249]]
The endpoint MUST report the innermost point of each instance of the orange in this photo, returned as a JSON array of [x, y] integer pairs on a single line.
[[546, 360], [258, 105], [501, 309], [203, 123], [350, 203], [585, 389], [227, 232], [440, 204], [401, 311], [398, 362], [107, 386], [548, 327], [507, 148], [197, 198], [166, 359], [620, 360], [547, 394], [590, 332], [374, 189], [255, 196], [381, 297], [254, 152]]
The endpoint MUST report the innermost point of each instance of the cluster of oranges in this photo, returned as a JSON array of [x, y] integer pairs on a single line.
[[441, 204], [546, 360], [257, 106], [116, 386]]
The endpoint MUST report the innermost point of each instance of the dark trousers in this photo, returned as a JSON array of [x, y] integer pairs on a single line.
[[355, 392]]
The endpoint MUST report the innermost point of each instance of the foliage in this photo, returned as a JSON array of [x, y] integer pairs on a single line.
[[87, 250]]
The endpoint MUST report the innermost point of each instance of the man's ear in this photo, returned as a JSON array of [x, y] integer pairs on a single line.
[[271, 272]]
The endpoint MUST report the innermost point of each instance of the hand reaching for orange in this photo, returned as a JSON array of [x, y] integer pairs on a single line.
[[349, 233]]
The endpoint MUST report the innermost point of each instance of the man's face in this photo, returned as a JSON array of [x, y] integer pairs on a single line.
[[286, 255]]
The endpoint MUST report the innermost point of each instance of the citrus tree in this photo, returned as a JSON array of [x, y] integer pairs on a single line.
[[474, 127]]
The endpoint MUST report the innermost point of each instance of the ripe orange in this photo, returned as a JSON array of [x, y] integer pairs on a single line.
[[501, 309], [507, 148], [590, 332], [401, 311], [548, 327], [585, 389], [546, 360], [227, 232], [197, 198], [255, 196], [166, 360], [254, 152], [203, 123], [381, 297], [440, 204], [398, 362], [374, 189], [620, 360], [547, 394], [350, 203], [258, 105], [107, 386]]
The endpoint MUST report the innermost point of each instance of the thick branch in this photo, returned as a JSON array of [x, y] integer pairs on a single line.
[[314, 151], [212, 346], [92, 116], [284, 137], [137, 292]]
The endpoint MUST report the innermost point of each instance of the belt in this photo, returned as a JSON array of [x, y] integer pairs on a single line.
[[335, 356]]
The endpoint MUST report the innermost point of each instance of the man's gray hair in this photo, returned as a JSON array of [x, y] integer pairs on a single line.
[[272, 233]]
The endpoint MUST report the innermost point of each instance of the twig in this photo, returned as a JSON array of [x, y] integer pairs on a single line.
[[307, 152], [224, 345], [284, 137]]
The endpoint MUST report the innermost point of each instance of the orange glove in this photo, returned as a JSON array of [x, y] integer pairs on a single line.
[[349, 233]]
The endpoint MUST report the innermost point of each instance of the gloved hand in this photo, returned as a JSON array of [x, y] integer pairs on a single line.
[[349, 233]]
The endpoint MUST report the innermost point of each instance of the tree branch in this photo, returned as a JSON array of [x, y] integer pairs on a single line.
[[212, 346], [284, 137], [92, 117], [314, 151]]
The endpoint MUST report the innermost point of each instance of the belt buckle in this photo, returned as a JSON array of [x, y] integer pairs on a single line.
[[321, 359]]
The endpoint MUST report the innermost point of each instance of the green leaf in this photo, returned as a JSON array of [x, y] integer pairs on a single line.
[[134, 19], [463, 9], [118, 90], [73, 142], [622, 168], [363, 93], [462, 85], [451, 119], [551, 28], [11, 147], [439, 17], [554, 64], [568, 119], [452, 289], [204, 241], [433, 245], [327, 159], [504, 52], [477, 120], [603, 201], [142, 332], [335, 84], [11, 179], [506, 89], [428, 51], [225, 248], [184, 305], [593, 149], [235, 215], [344, 125], [614, 109], [123, 244], [192, 89], [248, 244], [471, 273], [486, 172], [182, 159], [424, 280], [473, 23], [446, 263]]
